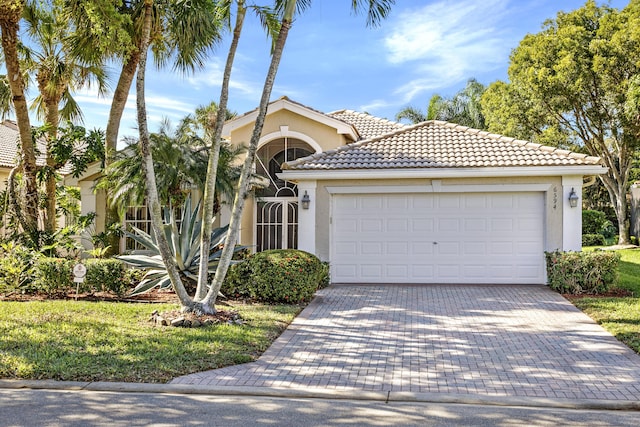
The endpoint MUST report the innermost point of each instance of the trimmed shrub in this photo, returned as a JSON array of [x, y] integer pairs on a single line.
[[53, 275], [16, 268], [279, 276], [582, 272], [325, 279], [593, 240], [105, 275]]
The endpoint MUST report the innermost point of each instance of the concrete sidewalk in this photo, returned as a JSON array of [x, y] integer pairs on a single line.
[[483, 342]]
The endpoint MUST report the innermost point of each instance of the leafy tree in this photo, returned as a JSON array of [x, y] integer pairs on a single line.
[[577, 81], [10, 15], [463, 108]]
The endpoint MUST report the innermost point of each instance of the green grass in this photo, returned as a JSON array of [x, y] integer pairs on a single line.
[[106, 341], [619, 316]]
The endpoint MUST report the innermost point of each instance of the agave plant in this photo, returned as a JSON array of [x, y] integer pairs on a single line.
[[184, 241]]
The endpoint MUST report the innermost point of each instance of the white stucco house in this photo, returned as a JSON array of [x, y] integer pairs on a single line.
[[435, 202], [385, 202]]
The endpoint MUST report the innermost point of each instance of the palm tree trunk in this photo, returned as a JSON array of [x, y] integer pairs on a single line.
[[209, 201], [119, 101], [50, 186], [247, 168], [10, 13], [147, 167]]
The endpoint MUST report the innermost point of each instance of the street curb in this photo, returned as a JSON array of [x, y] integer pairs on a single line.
[[329, 394]]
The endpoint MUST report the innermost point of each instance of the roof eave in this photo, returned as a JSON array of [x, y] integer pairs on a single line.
[[486, 172], [284, 104]]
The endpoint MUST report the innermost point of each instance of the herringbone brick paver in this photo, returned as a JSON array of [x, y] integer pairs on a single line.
[[523, 341]]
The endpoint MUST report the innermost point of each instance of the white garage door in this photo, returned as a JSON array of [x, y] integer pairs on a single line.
[[438, 238]]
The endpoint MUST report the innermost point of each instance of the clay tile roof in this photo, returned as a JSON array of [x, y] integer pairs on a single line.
[[437, 144], [9, 155], [368, 126]]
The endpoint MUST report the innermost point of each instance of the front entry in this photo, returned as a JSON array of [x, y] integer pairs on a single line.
[[276, 223], [276, 207]]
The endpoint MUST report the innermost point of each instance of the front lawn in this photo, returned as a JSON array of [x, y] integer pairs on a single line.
[[106, 341], [620, 316]]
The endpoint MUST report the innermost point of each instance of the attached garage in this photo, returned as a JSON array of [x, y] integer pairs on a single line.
[[438, 238], [439, 203]]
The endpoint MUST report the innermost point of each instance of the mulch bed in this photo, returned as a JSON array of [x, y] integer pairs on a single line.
[[613, 293]]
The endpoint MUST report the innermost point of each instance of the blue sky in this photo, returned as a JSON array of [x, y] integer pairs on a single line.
[[333, 61]]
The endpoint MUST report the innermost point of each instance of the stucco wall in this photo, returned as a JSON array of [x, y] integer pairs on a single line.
[[324, 135]]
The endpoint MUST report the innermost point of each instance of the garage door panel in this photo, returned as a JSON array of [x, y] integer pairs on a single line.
[[448, 225], [448, 248], [347, 225], [422, 225], [398, 225], [371, 203], [346, 248], [398, 248], [371, 225], [422, 248], [422, 204], [422, 272], [449, 201], [346, 271], [438, 238], [371, 271], [475, 201], [475, 225], [501, 248], [397, 271], [371, 248], [474, 248]]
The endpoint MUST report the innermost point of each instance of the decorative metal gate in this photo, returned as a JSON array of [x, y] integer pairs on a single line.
[[276, 223]]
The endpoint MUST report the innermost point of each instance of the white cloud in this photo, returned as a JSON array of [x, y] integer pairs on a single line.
[[212, 76], [444, 43]]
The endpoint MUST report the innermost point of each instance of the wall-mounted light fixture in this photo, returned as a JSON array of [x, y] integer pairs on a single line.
[[305, 200], [573, 198]]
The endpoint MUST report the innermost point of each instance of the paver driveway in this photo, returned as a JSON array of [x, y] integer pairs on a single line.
[[517, 341]]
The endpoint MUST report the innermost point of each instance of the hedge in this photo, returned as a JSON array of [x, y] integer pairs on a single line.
[[582, 272], [278, 276]]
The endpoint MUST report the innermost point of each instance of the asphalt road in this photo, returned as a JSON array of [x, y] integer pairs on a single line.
[[27, 407]]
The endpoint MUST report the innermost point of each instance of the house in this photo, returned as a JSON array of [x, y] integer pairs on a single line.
[[385, 202], [10, 155], [434, 202]]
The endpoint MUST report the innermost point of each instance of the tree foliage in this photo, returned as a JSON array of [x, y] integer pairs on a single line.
[[576, 84], [463, 108]]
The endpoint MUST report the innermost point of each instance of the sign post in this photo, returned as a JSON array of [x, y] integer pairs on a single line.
[[79, 272]]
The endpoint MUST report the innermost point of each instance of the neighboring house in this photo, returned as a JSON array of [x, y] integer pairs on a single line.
[[10, 156], [429, 203], [9, 138]]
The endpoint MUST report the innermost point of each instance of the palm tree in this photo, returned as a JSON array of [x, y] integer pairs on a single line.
[[272, 26], [58, 73], [10, 14], [182, 155], [5, 97], [463, 108], [376, 11], [182, 33]]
